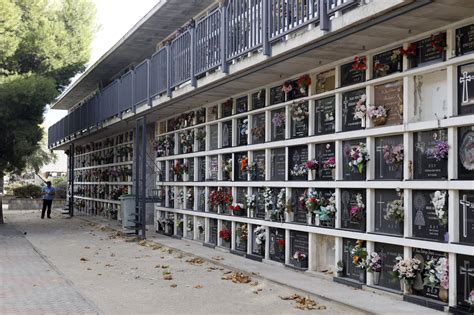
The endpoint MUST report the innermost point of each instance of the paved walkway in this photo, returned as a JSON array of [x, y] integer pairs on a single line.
[[29, 284]]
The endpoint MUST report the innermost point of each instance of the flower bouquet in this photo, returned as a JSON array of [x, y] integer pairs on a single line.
[[360, 110], [375, 266], [268, 200], [299, 111], [237, 208], [439, 151], [279, 119], [242, 234], [393, 156], [438, 200], [225, 235], [378, 114], [220, 197], [406, 270], [299, 169], [357, 212], [395, 210], [299, 256], [327, 210], [227, 168], [304, 82], [358, 157], [260, 237], [287, 87], [281, 245], [250, 203], [470, 299], [243, 162], [360, 63], [258, 132]]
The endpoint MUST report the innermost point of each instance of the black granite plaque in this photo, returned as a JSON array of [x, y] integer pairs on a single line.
[[212, 113], [213, 142], [201, 199], [299, 207], [257, 249], [389, 154], [390, 95], [349, 102], [180, 223], [260, 204], [213, 231], [276, 95], [429, 50], [258, 99], [299, 124], [351, 76], [465, 281], [466, 153], [278, 117], [325, 116], [299, 242], [425, 255], [277, 245], [258, 128], [388, 253], [240, 244], [213, 168], [201, 116], [278, 164], [227, 134], [242, 131], [201, 169], [227, 108], [226, 225], [350, 173], [348, 201], [298, 156], [324, 153], [190, 163], [240, 174], [296, 92], [201, 146], [383, 224], [386, 63], [259, 157], [241, 104], [426, 224], [427, 162], [226, 175], [466, 217], [171, 197], [350, 270], [465, 40], [465, 83]]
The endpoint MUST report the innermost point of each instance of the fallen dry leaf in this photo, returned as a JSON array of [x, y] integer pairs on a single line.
[[168, 277], [142, 243], [86, 247], [108, 265], [83, 259], [198, 286], [303, 303], [165, 266], [195, 261], [237, 277], [155, 247], [157, 266], [218, 258], [174, 285]]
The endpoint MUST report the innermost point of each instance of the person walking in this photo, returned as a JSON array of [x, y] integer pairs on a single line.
[[48, 195]]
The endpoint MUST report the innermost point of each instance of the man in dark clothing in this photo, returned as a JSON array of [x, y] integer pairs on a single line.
[[48, 196]]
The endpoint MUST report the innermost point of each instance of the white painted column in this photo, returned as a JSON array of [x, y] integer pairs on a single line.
[[185, 225], [287, 247], [219, 228], [453, 153], [370, 249], [452, 291], [312, 252], [267, 243], [206, 230], [250, 228], [453, 216], [370, 210], [407, 202], [233, 236]]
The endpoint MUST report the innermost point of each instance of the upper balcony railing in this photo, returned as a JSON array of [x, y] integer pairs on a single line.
[[227, 33]]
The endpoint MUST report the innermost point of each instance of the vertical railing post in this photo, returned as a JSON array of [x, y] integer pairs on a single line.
[[323, 15], [168, 70], [266, 18], [192, 32], [134, 108], [223, 39], [148, 86]]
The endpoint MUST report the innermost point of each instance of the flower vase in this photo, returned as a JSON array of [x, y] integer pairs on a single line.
[[362, 122], [288, 216], [185, 177], [362, 276], [309, 218], [219, 209], [317, 221], [376, 277], [333, 173], [267, 215], [313, 174], [407, 287], [443, 294], [252, 213], [418, 283]]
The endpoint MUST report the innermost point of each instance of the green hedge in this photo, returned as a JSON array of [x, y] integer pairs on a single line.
[[28, 191]]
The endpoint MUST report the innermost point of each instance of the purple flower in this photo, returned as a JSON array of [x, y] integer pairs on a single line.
[[439, 151]]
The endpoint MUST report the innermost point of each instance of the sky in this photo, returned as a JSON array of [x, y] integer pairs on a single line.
[[114, 19]]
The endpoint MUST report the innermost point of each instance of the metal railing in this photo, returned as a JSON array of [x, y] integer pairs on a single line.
[[225, 34]]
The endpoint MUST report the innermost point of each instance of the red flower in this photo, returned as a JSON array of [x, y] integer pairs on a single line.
[[410, 51], [225, 235], [281, 244], [360, 63]]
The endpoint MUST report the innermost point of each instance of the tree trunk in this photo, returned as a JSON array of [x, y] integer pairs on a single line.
[[1, 198]]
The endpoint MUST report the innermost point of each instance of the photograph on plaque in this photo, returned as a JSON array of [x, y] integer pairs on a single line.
[[213, 168], [388, 254], [277, 95], [212, 113], [260, 203], [353, 72], [465, 85], [466, 217], [241, 104], [213, 132], [299, 249], [179, 225], [353, 209], [388, 104], [389, 156], [354, 110], [241, 162], [277, 245], [325, 115], [278, 164], [242, 131], [325, 156], [201, 165], [241, 236], [227, 134], [227, 108], [425, 285], [389, 212], [430, 215], [299, 207], [201, 116], [213, 231], [225, 234], [258, 240], [466, 153], [201, 204], [325, 81], [465, 281], [299, 119], [278, 124], [465, 40], [350, 270], [257, 167], [430, 154], [386, 63], [227, 167], [258, 99], [355, 158], [258, 128], [297, 158]]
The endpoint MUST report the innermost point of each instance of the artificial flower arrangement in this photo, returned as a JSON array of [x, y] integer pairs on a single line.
[[281, 245], [287, 87], [299, 111], [393, 155], [250, 203], [438, 200], [190, 226], [312, 201], [470, 299], [330, 163], [406, 269], [358, 211], [124, 151], [378, 114], [358, 157], [299, 169], [163, 146], [312, 165], [261, 94], [243, 162], [359, 255], [360, 110], [436, 273], [375, 263], [200, 134], [279, 119], [190, 197], [395, 209], [360, 63], [268, 200], [242, 232], [299, 256], [200, 227], [439, 151], [410, 52], [244, 128], [260, 237], [219, 197], [179, 223], [201, 115], [327, 209], [380, 68], [438, 42], [227, 168], [187, 140], [280, 207], [259, 132], [179, 169], [181, 197], [237, 208], [304, 82], [225, 235]]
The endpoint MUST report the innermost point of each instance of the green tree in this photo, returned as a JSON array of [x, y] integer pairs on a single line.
[[44, 44]]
